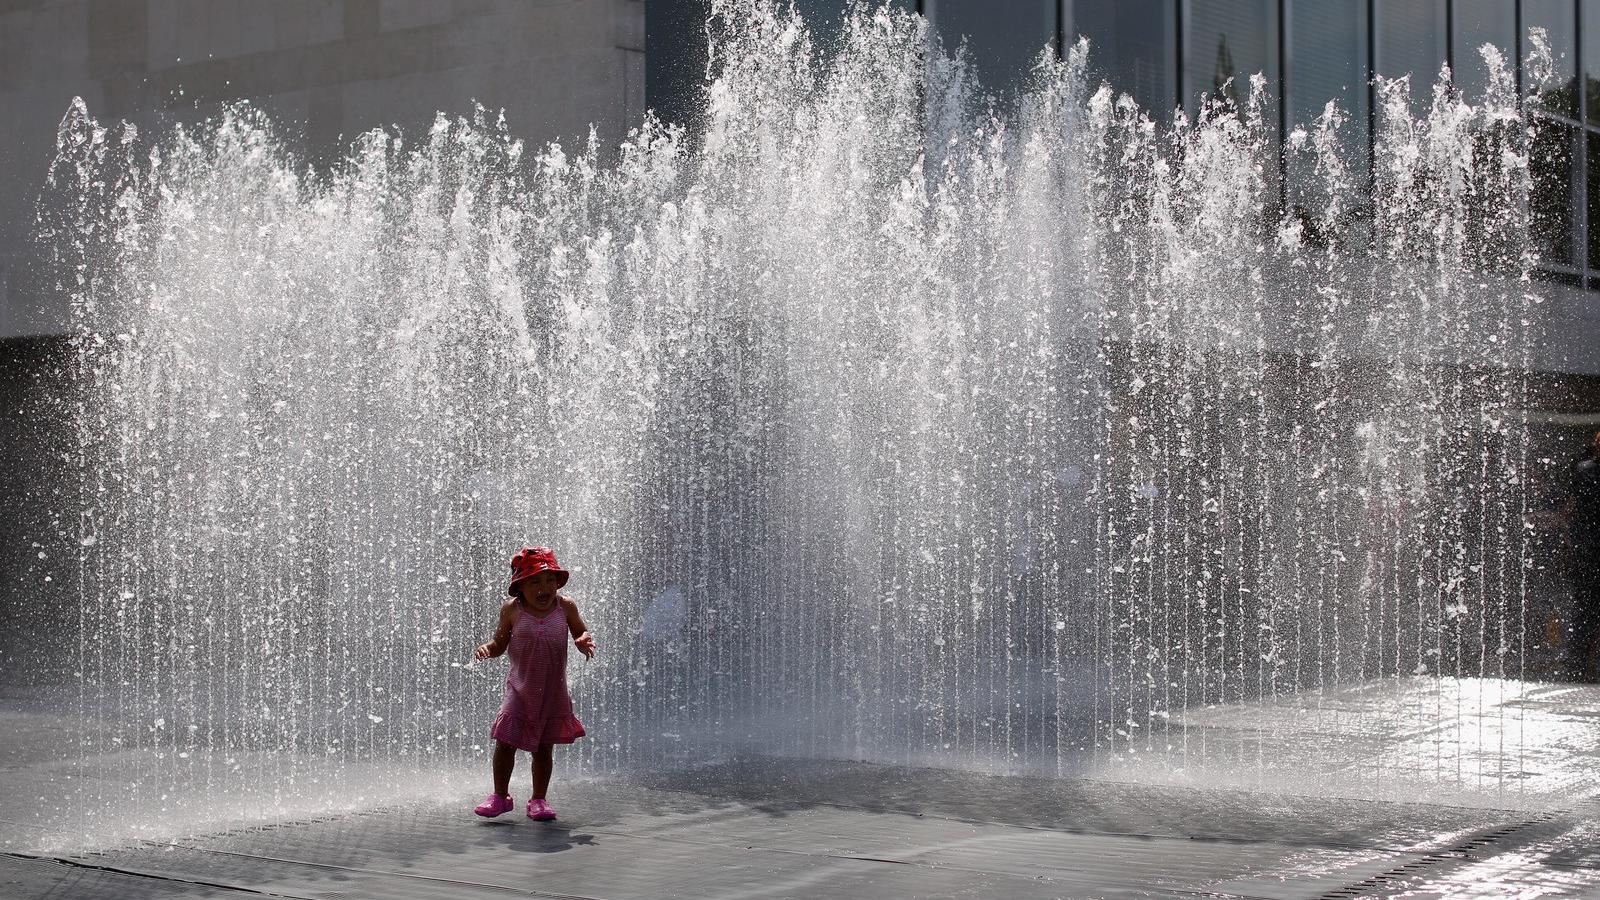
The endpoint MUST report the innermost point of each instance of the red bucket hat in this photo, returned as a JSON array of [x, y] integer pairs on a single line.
[[530, 561]]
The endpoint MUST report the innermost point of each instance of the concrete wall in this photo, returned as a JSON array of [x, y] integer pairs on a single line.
[[326, 69]]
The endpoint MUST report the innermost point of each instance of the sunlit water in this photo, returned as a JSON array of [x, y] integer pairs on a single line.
[[875, 420]]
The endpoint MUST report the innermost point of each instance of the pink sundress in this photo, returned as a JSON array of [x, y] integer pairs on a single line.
[[538, 708]]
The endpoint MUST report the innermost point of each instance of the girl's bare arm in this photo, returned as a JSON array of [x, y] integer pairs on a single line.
[[580, 632], [502, 633]]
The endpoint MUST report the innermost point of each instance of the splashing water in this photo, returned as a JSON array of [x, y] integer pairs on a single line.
[[879, 420]]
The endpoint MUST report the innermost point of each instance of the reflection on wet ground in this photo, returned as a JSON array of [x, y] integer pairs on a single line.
[[1458, 741], [1352, 794], [779, 828]]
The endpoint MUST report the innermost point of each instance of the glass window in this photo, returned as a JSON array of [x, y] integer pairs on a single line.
[[1004, 37], [1230, 39], [1132, 46], [1479, 22], [675, 59], [1328, 61], [1561, 278], [1559, 20], [1591, 58], [1411, 41], [1555, 183], [825, 18], [1594, 199]]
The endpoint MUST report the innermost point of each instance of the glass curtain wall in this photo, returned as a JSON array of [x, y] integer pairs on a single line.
[[1326, 56], [1589, 11], [1227, 41], [825, 17], [1558, 19], [1411, 39], [1004, 37], [1474, 23], [1133, 47], [1558, 201], [1329, 47], [1168, 53]]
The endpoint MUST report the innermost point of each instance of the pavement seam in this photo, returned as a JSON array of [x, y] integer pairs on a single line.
[[529, 892], [135, 873]]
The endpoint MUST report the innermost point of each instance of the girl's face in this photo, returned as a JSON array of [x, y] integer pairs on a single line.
[[540, 587]]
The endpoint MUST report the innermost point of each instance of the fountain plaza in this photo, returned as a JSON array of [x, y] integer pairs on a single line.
[[1025, 499]]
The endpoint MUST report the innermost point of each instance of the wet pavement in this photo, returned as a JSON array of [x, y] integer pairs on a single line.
[[1515, 818], [772, 828]]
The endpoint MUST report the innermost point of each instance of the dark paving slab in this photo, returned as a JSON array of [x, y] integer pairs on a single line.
[[778, 828]]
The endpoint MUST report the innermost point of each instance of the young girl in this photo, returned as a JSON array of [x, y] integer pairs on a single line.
[[537, 712]]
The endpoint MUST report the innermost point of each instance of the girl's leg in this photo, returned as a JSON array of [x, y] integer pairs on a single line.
[[505, 759], [543, 762]]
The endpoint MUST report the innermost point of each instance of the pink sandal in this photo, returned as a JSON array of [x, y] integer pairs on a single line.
[[540, 811], [493, 805]]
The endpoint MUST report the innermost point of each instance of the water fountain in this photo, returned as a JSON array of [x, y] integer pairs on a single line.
[[877, 420]]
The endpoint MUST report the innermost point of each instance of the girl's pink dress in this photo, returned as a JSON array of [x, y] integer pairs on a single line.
[[538, 708]]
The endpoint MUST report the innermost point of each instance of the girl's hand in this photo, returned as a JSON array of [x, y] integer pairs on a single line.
[[484, 651], [585, 643]]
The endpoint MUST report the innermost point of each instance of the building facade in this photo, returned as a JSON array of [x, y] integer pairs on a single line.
[[325, 70], [331, 69], [1169, 53]]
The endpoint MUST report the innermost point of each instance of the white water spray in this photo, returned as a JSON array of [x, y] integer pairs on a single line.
[[873, 422]]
